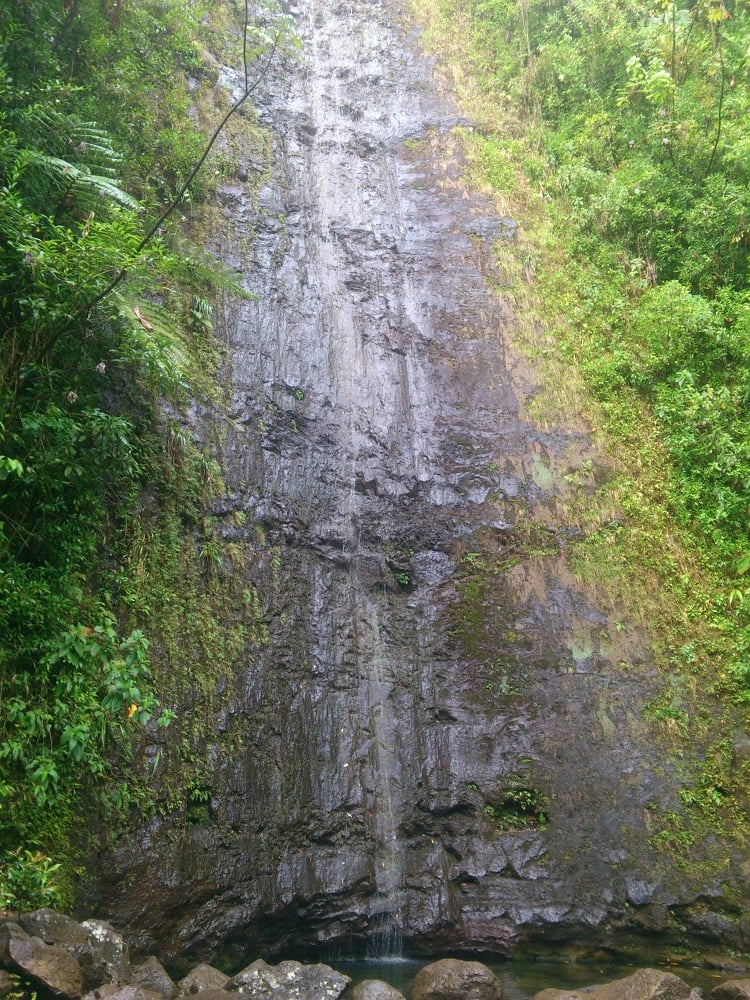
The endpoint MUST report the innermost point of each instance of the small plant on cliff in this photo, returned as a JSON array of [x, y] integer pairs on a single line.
[[519, 809], [27, 881]]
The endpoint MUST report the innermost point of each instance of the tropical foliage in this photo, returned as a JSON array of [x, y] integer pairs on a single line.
[[97, 323], [628, 120], [642, 111]]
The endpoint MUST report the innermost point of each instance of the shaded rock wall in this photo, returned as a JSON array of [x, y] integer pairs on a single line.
[[442, 742]]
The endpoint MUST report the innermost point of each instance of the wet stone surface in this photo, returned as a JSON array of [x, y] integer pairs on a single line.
[[433, 754]]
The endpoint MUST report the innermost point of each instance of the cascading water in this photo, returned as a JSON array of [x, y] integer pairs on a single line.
[[386, 939], [431, 662]]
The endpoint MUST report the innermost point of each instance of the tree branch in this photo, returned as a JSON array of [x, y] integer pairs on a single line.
[[174, 204]]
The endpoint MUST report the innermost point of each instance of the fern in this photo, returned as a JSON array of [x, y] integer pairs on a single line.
[[76, 184], [52, 155]]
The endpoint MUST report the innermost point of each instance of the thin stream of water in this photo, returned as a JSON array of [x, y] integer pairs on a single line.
[[386, 939]]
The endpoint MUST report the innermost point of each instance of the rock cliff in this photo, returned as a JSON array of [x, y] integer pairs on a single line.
[[442, 742]]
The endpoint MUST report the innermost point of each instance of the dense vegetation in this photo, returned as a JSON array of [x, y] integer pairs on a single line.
[[643, 110], [629, 119], [98, 323], [616, 132]]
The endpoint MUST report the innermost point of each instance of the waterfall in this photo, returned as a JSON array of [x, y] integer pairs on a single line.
[[386, 939], [400, 526]]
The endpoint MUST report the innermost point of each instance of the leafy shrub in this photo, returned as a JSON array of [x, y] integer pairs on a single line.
[[27, 881]]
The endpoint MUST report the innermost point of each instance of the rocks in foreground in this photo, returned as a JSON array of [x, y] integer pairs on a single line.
[[733, 989], [57, 958], [289, 980], [50, 969], [60, 959]]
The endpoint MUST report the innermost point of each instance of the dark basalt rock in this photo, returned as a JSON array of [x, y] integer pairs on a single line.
[[54, 928], [152, 976], [289, 981], [7, 984], [201, 979], [733, 989], [105, 957], [645, 984], [127, 993], [99, 950], [217, 995]]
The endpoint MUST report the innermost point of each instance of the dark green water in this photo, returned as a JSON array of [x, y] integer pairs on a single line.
[[523, 978]]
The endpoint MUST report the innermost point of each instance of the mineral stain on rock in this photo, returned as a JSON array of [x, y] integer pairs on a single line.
[[428, 658]]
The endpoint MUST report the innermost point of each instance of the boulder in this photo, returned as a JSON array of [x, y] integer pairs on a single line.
[[125, 993], [151, 975], [216, 995], [103, 992], [451, 979], [54, 928], [645, 984], [374, 989], [289, 981], [201, 979], [52, 969], [106, 958], [733, 989], [95, 945], [553, 994]]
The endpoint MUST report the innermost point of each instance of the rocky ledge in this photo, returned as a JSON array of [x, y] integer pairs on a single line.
[[53, 957]]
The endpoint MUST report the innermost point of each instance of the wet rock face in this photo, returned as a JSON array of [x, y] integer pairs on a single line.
[[441, 744]]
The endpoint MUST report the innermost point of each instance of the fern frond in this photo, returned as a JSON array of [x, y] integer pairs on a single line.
[[201, 268], [77, 180], [153, 341], [57, 134]]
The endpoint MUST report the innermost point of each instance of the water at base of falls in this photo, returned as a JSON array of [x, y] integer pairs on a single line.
[[521, 979], [386, 940]]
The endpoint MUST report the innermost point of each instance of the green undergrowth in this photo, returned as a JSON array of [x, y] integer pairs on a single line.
[[614, 135], [189, 587], [106, 547]]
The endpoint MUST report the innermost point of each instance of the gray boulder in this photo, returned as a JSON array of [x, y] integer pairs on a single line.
[[95, 945], [107, 959], [52, 969], [151, 975], [645, 984], [733, 989], [451, 979], [374, 989], [125, 993], [201, 979], [54, 928], [216, 995], [289, 981], [103, 992]]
